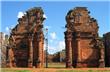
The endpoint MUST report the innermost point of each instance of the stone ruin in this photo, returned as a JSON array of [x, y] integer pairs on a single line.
[[26, 41], [106, 39], [83, 46]]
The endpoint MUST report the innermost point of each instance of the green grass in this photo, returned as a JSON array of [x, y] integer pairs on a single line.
[[54, 67], [50, 70], [11, 70]]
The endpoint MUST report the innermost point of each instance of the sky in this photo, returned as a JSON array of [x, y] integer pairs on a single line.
[[55, 12], [55, 0]]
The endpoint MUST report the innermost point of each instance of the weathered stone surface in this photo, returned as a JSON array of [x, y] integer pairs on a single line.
[[26, 40], [3, 46], [107, 49], [81, 38]]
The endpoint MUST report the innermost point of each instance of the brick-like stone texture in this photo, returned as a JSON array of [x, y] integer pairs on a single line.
[[26, 41], [83, 46], [106, 39]]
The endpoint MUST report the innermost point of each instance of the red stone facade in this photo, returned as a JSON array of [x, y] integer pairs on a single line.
[[26, 41], [107, 49], [83, 48]]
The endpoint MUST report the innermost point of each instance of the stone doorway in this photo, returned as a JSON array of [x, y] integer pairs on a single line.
[[83, 46], [26, 40]]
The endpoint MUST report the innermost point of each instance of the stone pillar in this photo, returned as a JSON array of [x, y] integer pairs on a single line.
[[10, 57], [102, 56], [74, 52], [7, 57], [11, 60], [39, 55], [68, 51], [30, 60], [79, 53], [42, 53], [40, 48]]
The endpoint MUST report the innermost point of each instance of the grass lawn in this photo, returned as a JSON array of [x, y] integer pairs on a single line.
[[55, 67], [52, 70]]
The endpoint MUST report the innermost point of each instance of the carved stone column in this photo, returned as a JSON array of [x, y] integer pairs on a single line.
[[101, 61], [30, 60], [7, 57], [42, 44], [68, 41], [79, 53], [39, 55], [74, 51], [11, 60], [39, 58]]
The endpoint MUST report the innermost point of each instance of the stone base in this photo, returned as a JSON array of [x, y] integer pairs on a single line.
[[69, 65], [30, 65], [38, 65], [86, 64], [102, 63]]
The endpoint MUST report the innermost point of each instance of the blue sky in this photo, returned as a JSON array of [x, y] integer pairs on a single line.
[[55, 0], [55, 12]]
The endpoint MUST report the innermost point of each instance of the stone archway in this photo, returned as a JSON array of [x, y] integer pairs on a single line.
[[81, 39], [26, 40]]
